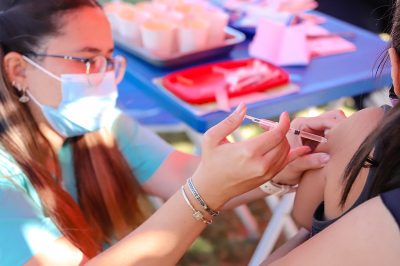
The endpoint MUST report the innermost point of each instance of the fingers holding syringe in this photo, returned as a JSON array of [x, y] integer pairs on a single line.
[[297, 152], [337, 115], [269, 140], [275, 160], [282, 155], [314, 125]]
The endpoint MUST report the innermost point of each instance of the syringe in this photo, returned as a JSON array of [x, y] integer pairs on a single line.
[[294, 131]]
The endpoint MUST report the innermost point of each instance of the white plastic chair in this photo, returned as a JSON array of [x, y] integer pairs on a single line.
[[280, 220]]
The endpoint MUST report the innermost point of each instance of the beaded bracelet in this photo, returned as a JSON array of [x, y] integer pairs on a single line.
[[199, 199]]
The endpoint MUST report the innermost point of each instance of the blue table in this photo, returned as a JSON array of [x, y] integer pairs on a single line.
[[324, 80]]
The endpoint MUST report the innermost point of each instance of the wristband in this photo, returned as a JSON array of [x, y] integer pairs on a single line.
[[273, 188], [199, 199]]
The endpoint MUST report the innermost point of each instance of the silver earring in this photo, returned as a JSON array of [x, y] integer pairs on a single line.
[[24, 98], [19, 87]]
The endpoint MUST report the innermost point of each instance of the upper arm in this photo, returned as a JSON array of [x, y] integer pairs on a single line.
[[368, 235], [309, 194], [24, 230], [144, 150], [325, 184], [159, 168], [61, 252], [26, 234]]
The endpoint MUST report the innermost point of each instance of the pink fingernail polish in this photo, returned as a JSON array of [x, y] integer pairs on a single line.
[[240, 108], [325, 158]]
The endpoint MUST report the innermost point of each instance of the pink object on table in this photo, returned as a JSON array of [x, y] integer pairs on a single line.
[[329, 45], [312, 18], [222, 99], [279, 44], [313, 30], [297, 6]]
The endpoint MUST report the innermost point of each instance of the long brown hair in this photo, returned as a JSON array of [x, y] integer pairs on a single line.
[[387, 132], [108, 193]]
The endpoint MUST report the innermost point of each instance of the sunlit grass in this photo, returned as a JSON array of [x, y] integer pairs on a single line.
[[183, 146], [385, 37]]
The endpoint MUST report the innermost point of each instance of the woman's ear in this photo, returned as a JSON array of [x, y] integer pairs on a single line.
[[394, 59], [15, 66]]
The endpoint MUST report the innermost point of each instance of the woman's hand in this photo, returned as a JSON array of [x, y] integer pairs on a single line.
[[229, 169], [316, 125]]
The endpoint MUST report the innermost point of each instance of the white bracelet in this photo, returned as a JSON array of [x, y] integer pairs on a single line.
[[273, 188], [196, 214]]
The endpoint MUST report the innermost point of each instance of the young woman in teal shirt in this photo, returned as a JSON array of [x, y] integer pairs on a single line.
[[74, 169]]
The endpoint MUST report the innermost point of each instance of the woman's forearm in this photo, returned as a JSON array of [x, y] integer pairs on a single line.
[[302, 236], [161, 240], [252, 195]]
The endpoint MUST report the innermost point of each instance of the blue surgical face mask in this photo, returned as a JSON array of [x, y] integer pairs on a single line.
[[83, 108]]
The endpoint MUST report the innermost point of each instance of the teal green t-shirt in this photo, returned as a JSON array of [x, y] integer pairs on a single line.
[[24, 230]]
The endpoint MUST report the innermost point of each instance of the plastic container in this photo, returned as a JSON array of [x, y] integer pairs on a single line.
[[158, 38], [129, 25], [232, 37], [112, 10], [197, 85], [193, 35], [219, 21]]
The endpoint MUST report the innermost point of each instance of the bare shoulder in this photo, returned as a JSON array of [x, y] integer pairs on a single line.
[[343, 141], [375, 240], [354, 129]]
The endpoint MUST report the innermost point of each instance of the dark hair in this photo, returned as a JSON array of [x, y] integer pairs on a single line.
[[387, 131], [108, 193], [25, 23]]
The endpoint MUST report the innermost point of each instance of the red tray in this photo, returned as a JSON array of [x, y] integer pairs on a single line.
[[197, 85]]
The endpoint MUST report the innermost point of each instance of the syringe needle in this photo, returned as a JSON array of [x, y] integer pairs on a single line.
[[294, 131]]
